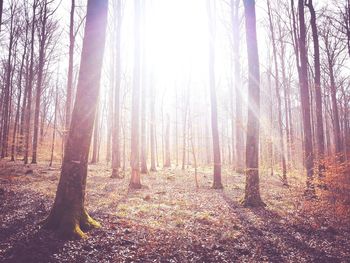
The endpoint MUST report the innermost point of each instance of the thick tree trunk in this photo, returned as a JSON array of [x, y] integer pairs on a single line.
[[68, 215], [135, 181], [252, 191]]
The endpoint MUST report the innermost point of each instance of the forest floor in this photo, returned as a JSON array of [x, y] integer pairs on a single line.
[[169, 220]]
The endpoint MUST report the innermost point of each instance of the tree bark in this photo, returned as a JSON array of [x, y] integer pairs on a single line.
[[237, 86], [252, 188], [279, 101], [116, 117], [305, 102], [29, 85], [68, 215], [167, 142], [41, 64], [317, 87], [70, 67], [135, 181], [213, 102]]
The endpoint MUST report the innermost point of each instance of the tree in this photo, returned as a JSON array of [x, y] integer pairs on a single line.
[[117, 78], [333, 48], [305, 101], [29, 84], [68, 215], [237, 86], [252, 191], [213, 103], [135, 181], [45, 30], [279, 103], [1, 9], [70, 66], [317, 84], [167, 143]]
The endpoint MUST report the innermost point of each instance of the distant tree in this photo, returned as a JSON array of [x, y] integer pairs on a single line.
[[333, 49], [237, 86], [167, 142], [29, 84], [117, 78], [45, 29], [68, 215], [279, 100], [213, 106], [135, 181], [252, 191], [152, 126]]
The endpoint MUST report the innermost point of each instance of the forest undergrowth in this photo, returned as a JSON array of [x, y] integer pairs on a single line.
[[169, 220]]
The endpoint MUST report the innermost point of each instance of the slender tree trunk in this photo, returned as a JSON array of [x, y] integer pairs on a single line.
[[116, 117], [167, 142], [317, 87], [16, 124], [135, 181], [70, 67], [29, 87], [279, 103], [41, 64], [214, 118], [252, 191], [68, 215], [54, 126], [237, 86], [305, 102], [152, 128], [7, 91]]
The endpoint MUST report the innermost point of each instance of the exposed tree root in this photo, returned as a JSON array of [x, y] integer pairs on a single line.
[[70, 226]]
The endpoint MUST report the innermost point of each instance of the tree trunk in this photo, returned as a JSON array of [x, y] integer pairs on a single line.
[[68, 215], [29, 87], [305, 102], [237, 86], [317, 86], [279, 101], [167, 142], [135, 181], [252, 191], [214, 118], [70, 67], [41, 64], [116, 117], [152, 128], [7, 91]]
